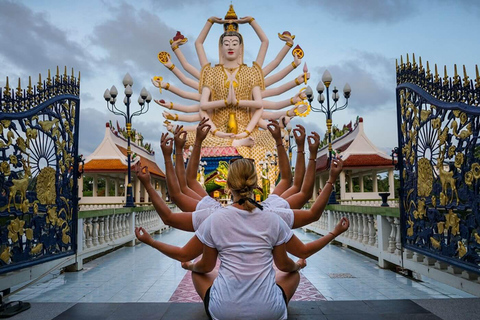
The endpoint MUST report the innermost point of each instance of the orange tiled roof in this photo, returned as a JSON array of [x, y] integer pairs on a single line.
[[356, 160], [98, 165], [152, 166]]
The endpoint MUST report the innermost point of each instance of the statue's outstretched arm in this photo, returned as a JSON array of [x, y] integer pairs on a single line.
[[255, 103], [262, 52], [179, 92], [277, 105], [178, 107], [183, 61], [285, 87], [275, 62], [282, 73], [179, 74], [202, 57], [181, 117]]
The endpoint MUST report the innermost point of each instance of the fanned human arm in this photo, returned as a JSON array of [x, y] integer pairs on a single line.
[[299, 199], [303, 217], [180, 138], [180, 75], [283, 73], [179, 92], [281, 55], [202, 57], [192, 249], [184, 202], [302, 250], [205, 264], [183, 61], [177, 106], [300, 135], [179, 220], [191, 173], [283, 163], [285, 87]]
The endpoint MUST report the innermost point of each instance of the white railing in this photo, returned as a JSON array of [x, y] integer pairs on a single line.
[[376, 231], [103, 230], [369, 202]]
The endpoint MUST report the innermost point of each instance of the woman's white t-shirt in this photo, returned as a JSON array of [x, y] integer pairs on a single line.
[[245, 287]]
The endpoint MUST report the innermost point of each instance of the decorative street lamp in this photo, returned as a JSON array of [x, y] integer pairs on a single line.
[[290, 139], [144, 102], [328, 110]]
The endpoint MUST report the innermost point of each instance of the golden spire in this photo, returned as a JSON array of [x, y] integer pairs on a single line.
[[401, 63], [414, 63], [39, 84], [57, 77], [65, 75], [436, 79], [29, 88], [408, 62], [6, 91], [49, 79], [466, 82], [429, 74], [18, 94], [445, 78], [477, 80], [231, 15]]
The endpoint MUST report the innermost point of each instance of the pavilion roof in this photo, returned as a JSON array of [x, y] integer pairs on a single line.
[[357, 152], [111, 155]]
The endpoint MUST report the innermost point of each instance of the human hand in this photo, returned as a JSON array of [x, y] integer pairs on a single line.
[[341, 226], [180, 138], [275, 130], [203, 129], [299, 134], [187, 265], [313, 143], [335, 168], [143, 235], [166, 145], [301, 263], [142, 173]]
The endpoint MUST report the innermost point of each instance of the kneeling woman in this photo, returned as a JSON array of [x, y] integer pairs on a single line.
[[246, 239]]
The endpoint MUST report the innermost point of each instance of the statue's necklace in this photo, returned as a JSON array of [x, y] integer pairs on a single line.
[[231, 70]]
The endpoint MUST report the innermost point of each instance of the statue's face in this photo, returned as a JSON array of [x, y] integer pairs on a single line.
[[231, 47]]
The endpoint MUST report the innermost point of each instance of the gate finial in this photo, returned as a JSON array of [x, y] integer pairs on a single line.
[[429, 72], [29, 88], [456, 77], [18, 94], [421, 66], [477, 80], [39, 84], [466, 82], [436, 79], [414, 63], [445, 78]]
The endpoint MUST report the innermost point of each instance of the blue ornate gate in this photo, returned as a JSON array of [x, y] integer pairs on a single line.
[[38, 171], [439, 160]]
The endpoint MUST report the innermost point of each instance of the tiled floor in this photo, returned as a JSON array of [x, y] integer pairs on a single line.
[[141, 274]]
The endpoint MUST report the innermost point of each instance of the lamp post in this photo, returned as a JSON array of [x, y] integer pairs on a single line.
[[328, 109], [144, 101], [289, 139]]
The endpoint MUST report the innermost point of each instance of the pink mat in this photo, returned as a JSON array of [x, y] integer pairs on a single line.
[[185, 291]]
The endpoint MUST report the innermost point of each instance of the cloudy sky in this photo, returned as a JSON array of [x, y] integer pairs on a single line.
[[356, 40]]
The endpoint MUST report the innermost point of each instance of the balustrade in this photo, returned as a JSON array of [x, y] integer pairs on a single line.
[[377, 232]]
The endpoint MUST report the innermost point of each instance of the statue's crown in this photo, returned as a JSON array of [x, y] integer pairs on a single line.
[[231, 15]]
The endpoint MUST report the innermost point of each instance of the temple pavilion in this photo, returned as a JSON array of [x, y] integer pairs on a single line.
[[362, 161], [106, 171]]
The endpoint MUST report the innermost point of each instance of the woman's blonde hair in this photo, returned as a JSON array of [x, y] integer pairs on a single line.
[[242, 179]]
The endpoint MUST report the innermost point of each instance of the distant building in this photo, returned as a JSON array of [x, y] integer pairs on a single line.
[[362, 160], [105, 170]]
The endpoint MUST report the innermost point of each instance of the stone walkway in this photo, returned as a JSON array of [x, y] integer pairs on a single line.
[[141, 274]]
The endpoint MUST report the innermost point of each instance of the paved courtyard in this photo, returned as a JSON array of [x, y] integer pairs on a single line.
[[142, 275]]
